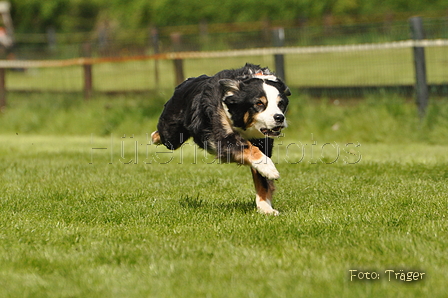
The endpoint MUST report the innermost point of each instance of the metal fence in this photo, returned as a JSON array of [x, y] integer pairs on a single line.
[[141, 60], [213, 37]]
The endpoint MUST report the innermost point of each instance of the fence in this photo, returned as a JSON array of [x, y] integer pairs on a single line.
[[331, 70]]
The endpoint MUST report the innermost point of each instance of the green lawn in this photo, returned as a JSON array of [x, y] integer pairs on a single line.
[[131, 221], [74, 225]]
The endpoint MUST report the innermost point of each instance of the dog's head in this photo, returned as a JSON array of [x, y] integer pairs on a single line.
[[256, 106]]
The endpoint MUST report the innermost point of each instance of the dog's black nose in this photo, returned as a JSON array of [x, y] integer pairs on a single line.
[[279, 118]]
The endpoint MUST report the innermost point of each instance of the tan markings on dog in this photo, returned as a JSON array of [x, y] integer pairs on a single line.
[[262, 192], [246, 119], [225, 121], [248, 155], [264, 195], [252, 154], [264, 100], [155, 138]]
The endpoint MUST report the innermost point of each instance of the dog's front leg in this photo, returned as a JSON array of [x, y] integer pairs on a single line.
[[260, 162], [264, 189]]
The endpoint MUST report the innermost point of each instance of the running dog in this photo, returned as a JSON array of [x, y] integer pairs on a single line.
[[234, 115]]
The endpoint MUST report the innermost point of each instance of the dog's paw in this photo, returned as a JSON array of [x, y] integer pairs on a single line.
[[265, 208], [265, 166], [155, 138]]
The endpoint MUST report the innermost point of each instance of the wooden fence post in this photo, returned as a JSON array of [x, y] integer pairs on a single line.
[[88, 85], [421, 86], [279, 41], [178, 63], [51, 38], [2, 89]]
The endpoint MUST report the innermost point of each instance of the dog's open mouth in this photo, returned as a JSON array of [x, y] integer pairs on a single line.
[[273, 132]]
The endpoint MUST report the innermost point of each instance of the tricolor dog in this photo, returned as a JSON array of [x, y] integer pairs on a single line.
[[234, 115]]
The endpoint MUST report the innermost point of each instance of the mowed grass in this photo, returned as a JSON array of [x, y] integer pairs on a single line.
[[135, 220]]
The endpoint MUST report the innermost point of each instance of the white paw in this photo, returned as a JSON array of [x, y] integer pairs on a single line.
[[265, 208], [266, 168]]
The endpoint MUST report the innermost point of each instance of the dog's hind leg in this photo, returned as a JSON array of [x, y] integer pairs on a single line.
[[155, 138], [264, 189], [170, 133]]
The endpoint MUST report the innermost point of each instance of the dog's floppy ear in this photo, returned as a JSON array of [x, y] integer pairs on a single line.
[[229, 86], [287, 92]]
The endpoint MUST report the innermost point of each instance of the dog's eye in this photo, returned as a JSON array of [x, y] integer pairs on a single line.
[[259, 104]]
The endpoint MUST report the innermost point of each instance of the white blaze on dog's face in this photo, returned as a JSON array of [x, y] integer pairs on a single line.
[[272, 119], [256, 107]]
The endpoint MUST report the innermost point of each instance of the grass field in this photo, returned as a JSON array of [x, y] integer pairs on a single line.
[[130, 221]]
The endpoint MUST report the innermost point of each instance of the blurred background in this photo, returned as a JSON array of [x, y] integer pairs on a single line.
[[131, 33]]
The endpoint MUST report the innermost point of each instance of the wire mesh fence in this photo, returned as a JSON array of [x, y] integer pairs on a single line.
[[338, 72]]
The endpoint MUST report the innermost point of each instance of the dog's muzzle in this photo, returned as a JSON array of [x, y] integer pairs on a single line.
[[273, 132]]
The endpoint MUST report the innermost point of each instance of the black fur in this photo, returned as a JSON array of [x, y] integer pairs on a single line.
[[218, 111], [195, 110]]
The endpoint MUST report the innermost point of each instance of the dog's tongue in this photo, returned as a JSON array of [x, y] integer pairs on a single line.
[[264, 130]]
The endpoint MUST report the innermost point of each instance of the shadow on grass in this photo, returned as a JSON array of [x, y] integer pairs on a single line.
[[232, 206]]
